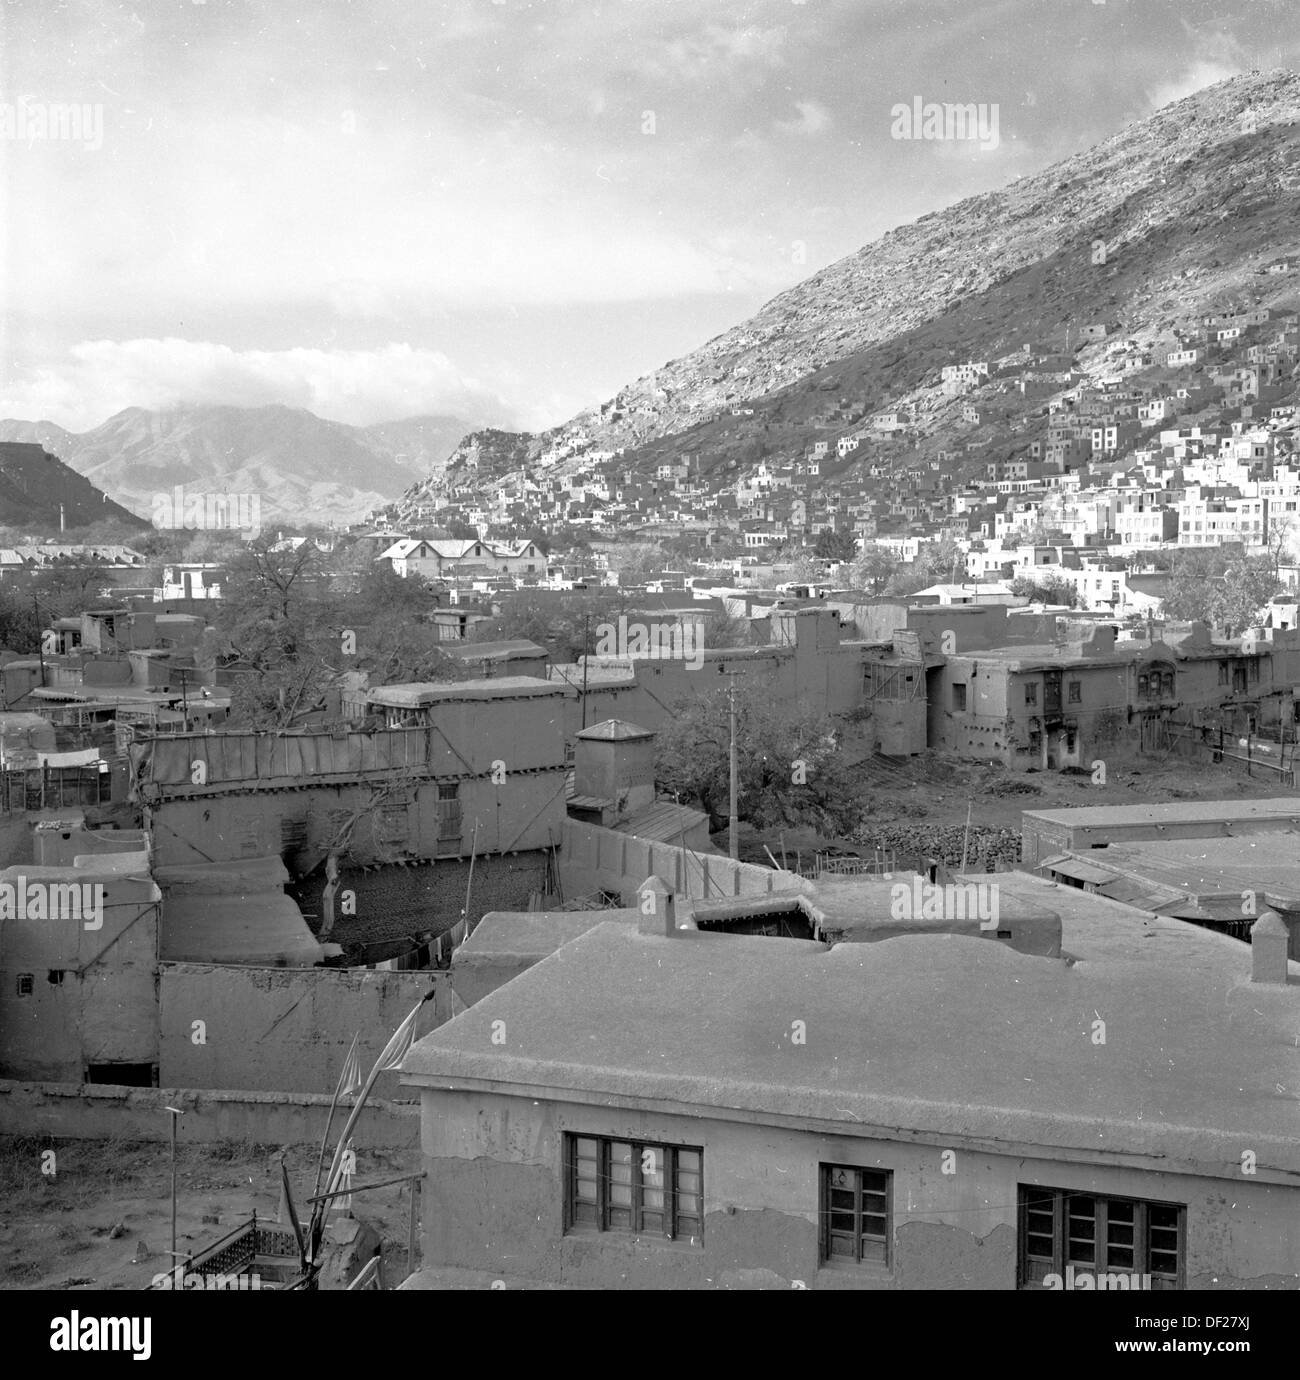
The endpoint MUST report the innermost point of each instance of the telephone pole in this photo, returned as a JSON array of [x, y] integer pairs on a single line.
[[40, 637], [733, 823], [586, 652]]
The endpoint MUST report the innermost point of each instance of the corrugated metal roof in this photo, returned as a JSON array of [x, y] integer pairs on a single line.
[[662, 822]]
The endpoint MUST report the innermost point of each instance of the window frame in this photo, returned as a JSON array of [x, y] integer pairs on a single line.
[[826, 1233], [1140, 1245], [672, 1171], [1074, 691], [959, 700]]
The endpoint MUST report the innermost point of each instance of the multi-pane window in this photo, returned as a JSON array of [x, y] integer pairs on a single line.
[[1099, 1236], [1075, 688], [634, 1187], [1031, 692], [855, 1214]]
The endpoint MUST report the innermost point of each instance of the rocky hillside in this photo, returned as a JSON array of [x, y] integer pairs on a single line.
[[36, 489], [296, 462], [1226, 155]]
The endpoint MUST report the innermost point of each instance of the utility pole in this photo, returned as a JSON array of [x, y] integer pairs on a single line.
[[40, 637], [184, 674], [176, 1113], [733, 823], [586, 644]]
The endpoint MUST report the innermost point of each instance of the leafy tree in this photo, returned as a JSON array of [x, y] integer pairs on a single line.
[[1248, 584], [1046, 589], [725, 630], [873, 569], [1036, 533], [937, 563], [789, 768], [835, 545], [275, 621], [20, 627], [806, 569], [1223, 589], [639, 560]]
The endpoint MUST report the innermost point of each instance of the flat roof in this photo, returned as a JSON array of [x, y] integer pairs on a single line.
[[1266, 863], [533, 933], [413, 694], [493, 651], [1285, 807], [939, 1035]]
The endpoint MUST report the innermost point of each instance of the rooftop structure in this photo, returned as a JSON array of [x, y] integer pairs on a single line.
[[1134, 1074]]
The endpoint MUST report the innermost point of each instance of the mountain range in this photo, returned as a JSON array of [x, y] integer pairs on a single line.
[[299, 464]]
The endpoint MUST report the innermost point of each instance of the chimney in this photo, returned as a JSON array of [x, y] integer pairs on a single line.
[[657, 906], [1269, 940]]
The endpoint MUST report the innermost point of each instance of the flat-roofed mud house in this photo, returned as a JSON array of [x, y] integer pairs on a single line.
[[78, 970], [660, 1107], [476, 771]]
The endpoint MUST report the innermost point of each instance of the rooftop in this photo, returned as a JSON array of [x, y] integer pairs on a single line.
[[1273, 808], [493, 651], [615, 731], [1197, 1058], [1266, 863], [414, 694]]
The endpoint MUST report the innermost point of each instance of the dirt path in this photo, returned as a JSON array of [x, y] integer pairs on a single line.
[[60, 1233]]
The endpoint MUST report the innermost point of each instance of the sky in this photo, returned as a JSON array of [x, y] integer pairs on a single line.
[[500, 209]]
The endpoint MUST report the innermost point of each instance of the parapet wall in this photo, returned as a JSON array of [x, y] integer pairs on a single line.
[[72, 1111], [286, 1030], [598, 859]]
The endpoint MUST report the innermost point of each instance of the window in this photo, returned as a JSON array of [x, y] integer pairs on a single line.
[[1254, 668], [26, 984], [959, 697], [1031, 693], [1223, 673], [55, 977], [1107, 1235], [634, 1187], [1075, 691], [855, 1214]]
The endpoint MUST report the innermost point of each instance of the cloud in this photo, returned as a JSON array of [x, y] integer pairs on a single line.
[[1216, 56], [101, 377], [813, 119], [1202, 73]]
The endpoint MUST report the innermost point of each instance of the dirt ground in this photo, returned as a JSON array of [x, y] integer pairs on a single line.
[[935, 788], [104, 1220], [920, 804]]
